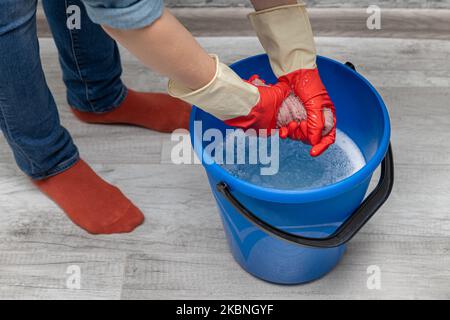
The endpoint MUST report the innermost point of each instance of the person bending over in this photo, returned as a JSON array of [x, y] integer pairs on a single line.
[[91, 68]]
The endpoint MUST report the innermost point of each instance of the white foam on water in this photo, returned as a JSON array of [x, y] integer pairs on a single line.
[[352, 151], [298, 170]]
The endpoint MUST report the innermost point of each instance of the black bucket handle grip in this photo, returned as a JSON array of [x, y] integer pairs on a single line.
[[347, 230]]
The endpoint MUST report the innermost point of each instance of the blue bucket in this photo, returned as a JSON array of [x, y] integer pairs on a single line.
[[292, 237]]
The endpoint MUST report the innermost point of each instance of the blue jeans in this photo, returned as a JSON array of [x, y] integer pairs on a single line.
[[91, 70]]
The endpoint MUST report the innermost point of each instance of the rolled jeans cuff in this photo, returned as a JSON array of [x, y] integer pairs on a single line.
[[124, 14]]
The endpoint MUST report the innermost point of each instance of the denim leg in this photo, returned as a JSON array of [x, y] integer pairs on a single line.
[[89, 58], [28, 115]]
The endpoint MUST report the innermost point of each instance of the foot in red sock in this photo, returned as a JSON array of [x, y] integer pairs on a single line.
[[155, 111], [90, 202]]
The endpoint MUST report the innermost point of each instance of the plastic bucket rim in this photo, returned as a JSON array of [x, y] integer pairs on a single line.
[[305, 195]]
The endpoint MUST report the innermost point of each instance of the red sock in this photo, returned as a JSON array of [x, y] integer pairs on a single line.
[[90, 202], [155, 111]]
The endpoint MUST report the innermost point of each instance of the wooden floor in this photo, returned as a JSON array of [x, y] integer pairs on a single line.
[[181, 252], [326, 22]]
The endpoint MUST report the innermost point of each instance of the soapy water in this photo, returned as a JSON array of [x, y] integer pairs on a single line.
[[297, 170]]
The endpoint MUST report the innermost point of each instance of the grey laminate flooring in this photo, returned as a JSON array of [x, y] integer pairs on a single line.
[[181, 252]]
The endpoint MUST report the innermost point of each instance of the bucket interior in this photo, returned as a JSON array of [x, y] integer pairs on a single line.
[[360, 111], [315, 213]]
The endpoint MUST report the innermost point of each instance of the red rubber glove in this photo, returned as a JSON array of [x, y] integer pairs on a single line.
[[290, 112], [264, 114], [308, 86]]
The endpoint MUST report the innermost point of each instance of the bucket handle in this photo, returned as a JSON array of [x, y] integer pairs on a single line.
[[347, 230]]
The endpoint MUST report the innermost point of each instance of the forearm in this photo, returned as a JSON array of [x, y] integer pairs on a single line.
[[168, 48]]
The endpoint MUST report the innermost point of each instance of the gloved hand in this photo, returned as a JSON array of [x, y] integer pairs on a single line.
[[292, 116], [308, 86], [264, 114], [286, 35], [291, 111], [237, 102]]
